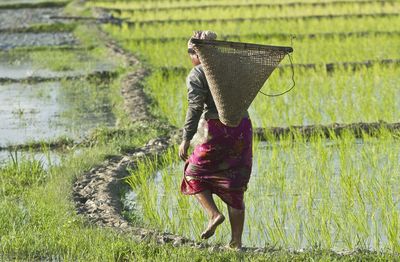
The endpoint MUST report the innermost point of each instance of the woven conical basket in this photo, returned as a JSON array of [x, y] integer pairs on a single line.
[[235, 73]]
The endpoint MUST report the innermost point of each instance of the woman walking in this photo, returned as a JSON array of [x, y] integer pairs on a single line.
[[221, 164]]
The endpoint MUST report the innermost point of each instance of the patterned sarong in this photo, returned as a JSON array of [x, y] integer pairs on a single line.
[[222, 164]]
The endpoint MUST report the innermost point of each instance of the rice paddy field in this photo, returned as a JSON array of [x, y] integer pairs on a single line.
[[338, 194], [309, 198]]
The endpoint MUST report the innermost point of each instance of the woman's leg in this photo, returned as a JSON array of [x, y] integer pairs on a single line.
[[236, 218], [215, 217]]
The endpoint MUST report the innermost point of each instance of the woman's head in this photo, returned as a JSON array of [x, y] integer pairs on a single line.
[[208, 35]]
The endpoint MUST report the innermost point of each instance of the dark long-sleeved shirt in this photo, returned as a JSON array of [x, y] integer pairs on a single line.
[[200, 101]]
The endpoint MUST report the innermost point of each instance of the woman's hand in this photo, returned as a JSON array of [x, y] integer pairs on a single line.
[[183, 149]]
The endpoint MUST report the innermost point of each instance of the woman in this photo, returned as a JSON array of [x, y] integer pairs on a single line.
[[221, 164]]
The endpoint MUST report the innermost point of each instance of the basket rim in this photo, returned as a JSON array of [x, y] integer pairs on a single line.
[[286, 49]]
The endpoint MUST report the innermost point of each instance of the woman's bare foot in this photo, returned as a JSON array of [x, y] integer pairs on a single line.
[[212, 225], [233, 245]]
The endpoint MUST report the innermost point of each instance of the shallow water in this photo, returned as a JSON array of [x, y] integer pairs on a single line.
[[335, 196], [20, 68], [13, 40], [48, 159], [26, 17], [45, 111]]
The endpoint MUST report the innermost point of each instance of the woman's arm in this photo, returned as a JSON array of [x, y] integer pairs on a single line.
[[197, 94]]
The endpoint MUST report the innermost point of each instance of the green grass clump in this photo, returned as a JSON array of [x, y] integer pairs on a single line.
[[20, 174]]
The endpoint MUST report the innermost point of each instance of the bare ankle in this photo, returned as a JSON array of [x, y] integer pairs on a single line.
[[235, 244], [216, 215]]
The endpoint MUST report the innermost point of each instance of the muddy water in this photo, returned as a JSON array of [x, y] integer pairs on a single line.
[[46, 111], [335, 197]]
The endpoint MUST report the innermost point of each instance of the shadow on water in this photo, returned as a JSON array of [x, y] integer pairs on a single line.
[[335, 195]]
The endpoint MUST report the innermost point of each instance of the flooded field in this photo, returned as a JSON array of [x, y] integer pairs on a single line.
[[339, 195], [32, 112], [46, 158], [12, 19], [13, 40]]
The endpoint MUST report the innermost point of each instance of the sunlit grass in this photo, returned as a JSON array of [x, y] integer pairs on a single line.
[[260, 11], [19, 173], [171, 4], [260, 27], [338, 194], [366, 95], [341, 194], [314, 50]]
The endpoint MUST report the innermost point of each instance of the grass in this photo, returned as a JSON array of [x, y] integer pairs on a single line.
[[41, 222], [19, 174], [367, 95], [255, 12], [45, 28], [318, 194], [38, 219], [154, 5], [339, 194], [247, 27], [307, 50]]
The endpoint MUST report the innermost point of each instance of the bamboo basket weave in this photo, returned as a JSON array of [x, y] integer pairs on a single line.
[[236, 72]]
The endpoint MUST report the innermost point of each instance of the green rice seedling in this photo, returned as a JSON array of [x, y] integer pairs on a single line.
[[337, 194], [307, 51], [312, 193], [323, 25], [318, 98], [155, 5], [260, 11]]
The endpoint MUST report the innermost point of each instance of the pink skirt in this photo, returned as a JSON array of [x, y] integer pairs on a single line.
[[222, 164]]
